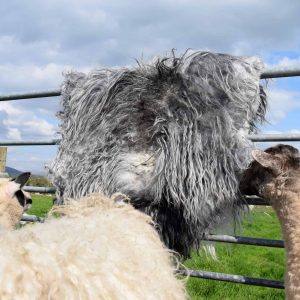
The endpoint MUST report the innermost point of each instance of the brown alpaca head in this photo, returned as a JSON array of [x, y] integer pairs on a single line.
[[13, 200], [275, 169]]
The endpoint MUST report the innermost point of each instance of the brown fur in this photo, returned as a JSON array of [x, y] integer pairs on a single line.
[[275, 176]]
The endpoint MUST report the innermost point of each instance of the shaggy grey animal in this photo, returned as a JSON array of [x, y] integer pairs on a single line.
[[169, 135]]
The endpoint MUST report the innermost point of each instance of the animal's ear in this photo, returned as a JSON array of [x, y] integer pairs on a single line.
[[22, 178], [267, 160], [16, 184]]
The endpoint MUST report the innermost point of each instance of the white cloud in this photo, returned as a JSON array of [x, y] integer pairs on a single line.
[[286, 63], [36, 158], [281, 102], [27, 77], [9, 109], [40, 126], [20, 123], [292, 131], [115, 32], [14, 134]]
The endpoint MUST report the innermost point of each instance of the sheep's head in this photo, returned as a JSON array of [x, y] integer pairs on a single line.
[[274, 170], [13, 200]]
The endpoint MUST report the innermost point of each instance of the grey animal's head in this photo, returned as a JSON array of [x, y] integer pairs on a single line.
[[169, 134], [273, 170]]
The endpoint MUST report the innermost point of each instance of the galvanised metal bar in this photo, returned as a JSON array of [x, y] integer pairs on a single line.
[[269, 73], [29, 95], [276, 73], [32, 218], [255, 200], [37, 189], [30, 143], [251, 200], [233, 278], [274, 137], [253, 138], [244, 240]]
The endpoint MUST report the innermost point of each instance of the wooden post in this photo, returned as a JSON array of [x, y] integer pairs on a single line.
[[3, 154]]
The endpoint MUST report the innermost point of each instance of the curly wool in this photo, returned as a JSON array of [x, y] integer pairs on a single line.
[[100, 249], [169, 134]]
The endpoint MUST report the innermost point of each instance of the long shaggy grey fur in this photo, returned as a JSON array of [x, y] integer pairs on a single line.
[[170, 134]]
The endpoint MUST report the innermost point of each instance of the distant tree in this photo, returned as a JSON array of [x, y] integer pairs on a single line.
[[39, 181]]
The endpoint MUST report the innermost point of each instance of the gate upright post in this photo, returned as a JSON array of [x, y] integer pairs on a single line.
[[3, 154]]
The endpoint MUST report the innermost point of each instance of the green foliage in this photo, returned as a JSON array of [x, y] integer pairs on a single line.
[[39, 181]]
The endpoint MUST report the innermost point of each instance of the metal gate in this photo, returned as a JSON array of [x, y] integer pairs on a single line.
[[215, 238]]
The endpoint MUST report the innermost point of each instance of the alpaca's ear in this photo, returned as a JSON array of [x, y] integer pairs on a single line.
[[267, 160]]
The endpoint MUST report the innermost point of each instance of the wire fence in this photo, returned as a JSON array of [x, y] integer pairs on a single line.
[[254, 200]]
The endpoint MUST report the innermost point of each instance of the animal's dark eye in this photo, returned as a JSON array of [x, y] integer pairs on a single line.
[[23, 200]]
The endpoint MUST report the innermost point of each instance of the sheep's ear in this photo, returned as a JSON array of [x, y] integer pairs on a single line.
[[22, 178], [16, 184], [267, 160]]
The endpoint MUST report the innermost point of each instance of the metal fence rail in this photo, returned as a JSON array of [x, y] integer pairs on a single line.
[[253, 138], [268, 73], [32, 218], [233, 278], [38, 189], [30, 95], [274, 137], [277, 73], [242, 240], [29, 143]]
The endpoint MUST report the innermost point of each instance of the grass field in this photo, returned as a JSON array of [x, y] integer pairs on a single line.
[[41, 204], [252, 261]]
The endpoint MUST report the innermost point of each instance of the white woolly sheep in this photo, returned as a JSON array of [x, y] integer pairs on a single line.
[[13, 200], [99, 249]]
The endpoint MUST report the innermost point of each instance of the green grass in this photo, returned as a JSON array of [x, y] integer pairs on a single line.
[[251, 261], [254, 261], [41, 204]]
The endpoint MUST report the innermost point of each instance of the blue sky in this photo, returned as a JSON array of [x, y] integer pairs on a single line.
[[39, 40]]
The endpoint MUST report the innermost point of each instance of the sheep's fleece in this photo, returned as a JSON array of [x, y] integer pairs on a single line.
[[169, 134], [101, 249]]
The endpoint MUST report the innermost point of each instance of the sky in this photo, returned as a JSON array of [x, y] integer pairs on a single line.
[[39, 40]]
